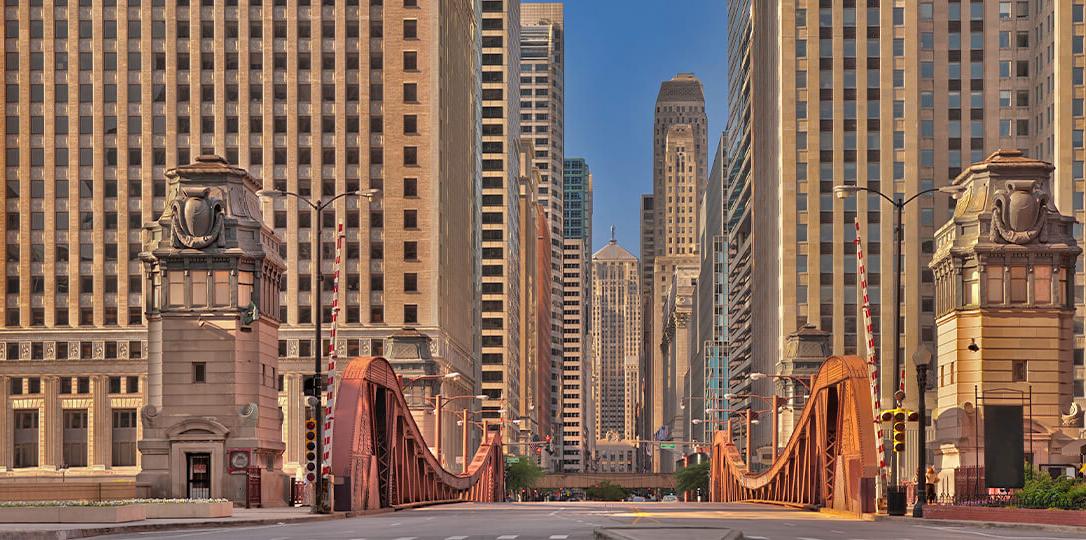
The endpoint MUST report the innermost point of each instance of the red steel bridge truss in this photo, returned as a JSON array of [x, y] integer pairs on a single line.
[[830, 460], [380, 457]]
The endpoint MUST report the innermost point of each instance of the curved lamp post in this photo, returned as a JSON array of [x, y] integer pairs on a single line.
[[318, 206]]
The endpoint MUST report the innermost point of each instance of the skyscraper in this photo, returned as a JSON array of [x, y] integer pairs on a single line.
[[575, 406], [893, 97], [312, 99], [679, 172], [542, 110], [616, 340], [501, 220]]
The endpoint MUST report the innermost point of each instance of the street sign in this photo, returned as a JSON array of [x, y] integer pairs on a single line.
[[667, 446], [509, 460]]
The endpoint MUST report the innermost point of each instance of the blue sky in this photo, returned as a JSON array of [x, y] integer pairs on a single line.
[[617, 53]]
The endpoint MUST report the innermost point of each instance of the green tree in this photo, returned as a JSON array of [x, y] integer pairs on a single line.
[[693, 478], [522, 475], [606, 491]]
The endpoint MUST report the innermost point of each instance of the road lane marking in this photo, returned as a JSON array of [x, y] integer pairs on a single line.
[[559, 536], [407, 538], [508, 537], [748, 537], [978, 533], [457, 538], [806, 538]]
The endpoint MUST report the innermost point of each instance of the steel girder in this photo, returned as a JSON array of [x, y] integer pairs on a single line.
[[379, 448], [829, 461]]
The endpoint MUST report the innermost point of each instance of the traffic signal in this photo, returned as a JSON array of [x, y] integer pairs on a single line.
[[310, 449], [887, 415], [898, 428]]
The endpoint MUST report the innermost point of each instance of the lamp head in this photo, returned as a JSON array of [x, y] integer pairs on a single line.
[[481, 396], [955, 191], [973, 345], [922, 356], [370, 194], [757, 376], [844, 192], [729, 396], [270, 193], [452, 375]]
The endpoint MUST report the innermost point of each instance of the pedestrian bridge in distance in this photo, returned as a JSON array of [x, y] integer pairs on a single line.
[[587, 480]]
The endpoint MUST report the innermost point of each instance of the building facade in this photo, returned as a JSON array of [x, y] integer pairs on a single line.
[[542, 114], [575, 403], [896, 97], [679, 178], [709, 368], [100, 102], [501, 152], [616, 340]]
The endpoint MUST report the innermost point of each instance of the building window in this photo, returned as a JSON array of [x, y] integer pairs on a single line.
[[26, 438], [199, 372], [410, 313], [75, 438], [410, 219], [1018, 371], [124, 438], [411, 251], [410, 282]]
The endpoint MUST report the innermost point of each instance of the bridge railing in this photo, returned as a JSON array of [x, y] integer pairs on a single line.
[[829, 461], [380, 457]]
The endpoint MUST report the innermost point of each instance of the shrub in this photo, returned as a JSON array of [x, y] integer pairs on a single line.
[[606, 491], [1042, 491]]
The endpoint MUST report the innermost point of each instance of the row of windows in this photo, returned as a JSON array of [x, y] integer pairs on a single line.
[[74, 438], [85, 350]]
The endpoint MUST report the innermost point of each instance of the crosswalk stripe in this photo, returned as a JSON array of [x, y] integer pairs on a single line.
[[508, 537], [559, 536], [456, 538]]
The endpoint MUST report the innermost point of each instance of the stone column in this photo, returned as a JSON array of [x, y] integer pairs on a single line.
[[6, 433], [51, 425], [100, 440]]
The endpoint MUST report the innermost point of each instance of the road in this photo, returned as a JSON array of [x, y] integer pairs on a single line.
[[576, 521]]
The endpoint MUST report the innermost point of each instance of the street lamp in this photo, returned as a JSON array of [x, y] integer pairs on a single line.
[[846, 191], [318, 206], [775, 403], [922, 359], [439, 403]]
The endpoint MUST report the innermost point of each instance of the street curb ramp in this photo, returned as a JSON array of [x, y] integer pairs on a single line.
[[669, 532]]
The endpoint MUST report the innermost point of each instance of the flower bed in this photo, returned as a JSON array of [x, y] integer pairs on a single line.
[[79, 513], [187, 508], [119, 511]]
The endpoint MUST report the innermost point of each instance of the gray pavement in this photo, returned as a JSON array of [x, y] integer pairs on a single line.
[[577, 521]]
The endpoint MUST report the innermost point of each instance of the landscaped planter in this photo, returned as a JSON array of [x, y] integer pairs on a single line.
[[1076, 518], [180, 510], [73, 514]]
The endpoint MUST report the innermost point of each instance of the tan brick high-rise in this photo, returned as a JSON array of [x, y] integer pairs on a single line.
[[313, 99], [898, 97]]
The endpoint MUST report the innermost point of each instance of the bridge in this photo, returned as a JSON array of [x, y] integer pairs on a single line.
[[380, 457], [830, 460], [626, 480]]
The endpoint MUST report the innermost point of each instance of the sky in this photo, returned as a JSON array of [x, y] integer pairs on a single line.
[[617, 54]]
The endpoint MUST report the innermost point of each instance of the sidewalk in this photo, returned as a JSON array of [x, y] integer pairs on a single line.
[[241, 517], [985, 524]]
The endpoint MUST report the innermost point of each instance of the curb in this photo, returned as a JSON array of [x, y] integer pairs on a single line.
[[617, 533], [985, 524], [65, 534]]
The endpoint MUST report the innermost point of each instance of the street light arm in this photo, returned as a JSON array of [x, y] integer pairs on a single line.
[[326, 204], [925, 192]]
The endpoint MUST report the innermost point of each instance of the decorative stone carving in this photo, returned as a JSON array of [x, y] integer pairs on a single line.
[[50, 350], [122, 349], [1019, 216], [99, 350], [149, 414], [1073, 418], [197, 218], [24, 350], [292, 348], [364, 347], [249, 414], [73, 350], [4, 353]]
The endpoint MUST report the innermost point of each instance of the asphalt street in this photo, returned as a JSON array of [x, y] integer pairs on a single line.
[[576, 521]]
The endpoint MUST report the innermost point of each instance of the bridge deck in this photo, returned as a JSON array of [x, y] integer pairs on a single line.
[[626, 480]]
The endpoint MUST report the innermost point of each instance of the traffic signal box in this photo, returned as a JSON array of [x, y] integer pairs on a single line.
[[897, 417], [310, 448]]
